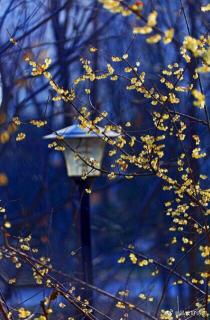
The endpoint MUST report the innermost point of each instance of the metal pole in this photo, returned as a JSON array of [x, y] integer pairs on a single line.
[[85, 235], [85, 231]]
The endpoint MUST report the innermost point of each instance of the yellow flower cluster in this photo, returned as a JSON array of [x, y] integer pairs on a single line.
[[200, 99], [205, 253], [41, 69], [120, 305], [142, 296], [205, 8], [90, 74], [197, 155], [148, 27], [168, 37], [166, 315], [38, 69], [41, 270], [198, 48], [115, 6], [23, 313], [21, 136], [38, 123]]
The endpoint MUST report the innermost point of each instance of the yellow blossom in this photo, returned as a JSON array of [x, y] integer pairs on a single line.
[[168, 37], [154, 39], [152, 19], [121, 260], [133, 258], [200, 98], [7, 224], [21, 136], [120, 305], [23, 313], [205, 8], [142, 30], [142, 296]]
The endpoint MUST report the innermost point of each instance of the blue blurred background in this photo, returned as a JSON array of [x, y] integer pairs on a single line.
[[39, 197]]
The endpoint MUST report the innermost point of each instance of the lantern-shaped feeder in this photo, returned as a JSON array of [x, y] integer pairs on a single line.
[[83, 149]]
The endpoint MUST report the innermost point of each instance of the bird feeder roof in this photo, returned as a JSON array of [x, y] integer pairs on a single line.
[[75, 131]]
